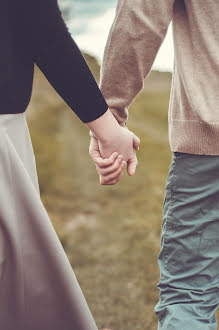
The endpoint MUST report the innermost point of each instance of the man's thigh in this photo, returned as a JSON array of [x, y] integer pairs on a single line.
[[189, 254]]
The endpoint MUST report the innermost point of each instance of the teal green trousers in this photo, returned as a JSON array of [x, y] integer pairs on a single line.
[[189, 253]]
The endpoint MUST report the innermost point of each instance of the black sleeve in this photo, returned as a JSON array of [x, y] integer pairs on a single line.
[[59, 58]]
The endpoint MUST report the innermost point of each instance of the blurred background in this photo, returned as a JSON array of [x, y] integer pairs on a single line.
[[89, 22], [111, 234]]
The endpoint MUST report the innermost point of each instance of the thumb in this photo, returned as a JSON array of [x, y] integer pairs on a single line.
[[136, 142], [131, 166]]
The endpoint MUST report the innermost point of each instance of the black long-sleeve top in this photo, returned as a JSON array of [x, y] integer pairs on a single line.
[[34, 31]]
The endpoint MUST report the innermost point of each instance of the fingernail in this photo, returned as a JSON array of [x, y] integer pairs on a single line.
[[123, 165], [120, 159], [115, 155]]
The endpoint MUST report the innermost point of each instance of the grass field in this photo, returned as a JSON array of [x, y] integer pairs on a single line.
[[111, 234]]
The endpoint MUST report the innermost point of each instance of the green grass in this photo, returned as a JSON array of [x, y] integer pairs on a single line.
[[111, 234]]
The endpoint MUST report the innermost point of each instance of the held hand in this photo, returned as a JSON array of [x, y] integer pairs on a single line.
[[125, 143], [109, 169], [110, 137]]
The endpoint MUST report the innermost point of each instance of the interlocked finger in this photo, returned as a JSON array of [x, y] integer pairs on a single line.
[[111, 178], [110, 182], [105, 171], [106, 162]]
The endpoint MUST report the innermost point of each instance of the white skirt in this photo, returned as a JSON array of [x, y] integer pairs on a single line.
[[38, 288]]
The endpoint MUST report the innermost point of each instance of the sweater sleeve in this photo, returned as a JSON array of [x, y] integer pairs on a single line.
[[59, 58], [134, 39]]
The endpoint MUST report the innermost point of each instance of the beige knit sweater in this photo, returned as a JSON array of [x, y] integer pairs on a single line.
[[135, 37]]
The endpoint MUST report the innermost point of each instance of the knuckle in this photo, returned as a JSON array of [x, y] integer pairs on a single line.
[[112, 177], [106, 171], [108, 179], [116, 165], [104, 163], [119, 172], [100, 164]]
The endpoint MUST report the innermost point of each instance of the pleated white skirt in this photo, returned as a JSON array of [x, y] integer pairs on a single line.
[[38, 288]]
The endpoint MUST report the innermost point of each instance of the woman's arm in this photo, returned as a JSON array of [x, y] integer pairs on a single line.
[[55, 52]]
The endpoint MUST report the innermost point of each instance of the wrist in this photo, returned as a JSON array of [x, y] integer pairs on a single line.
[[104, 128]]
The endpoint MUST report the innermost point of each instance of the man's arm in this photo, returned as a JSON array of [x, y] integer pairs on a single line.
[[54, 51], [135, 37]]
